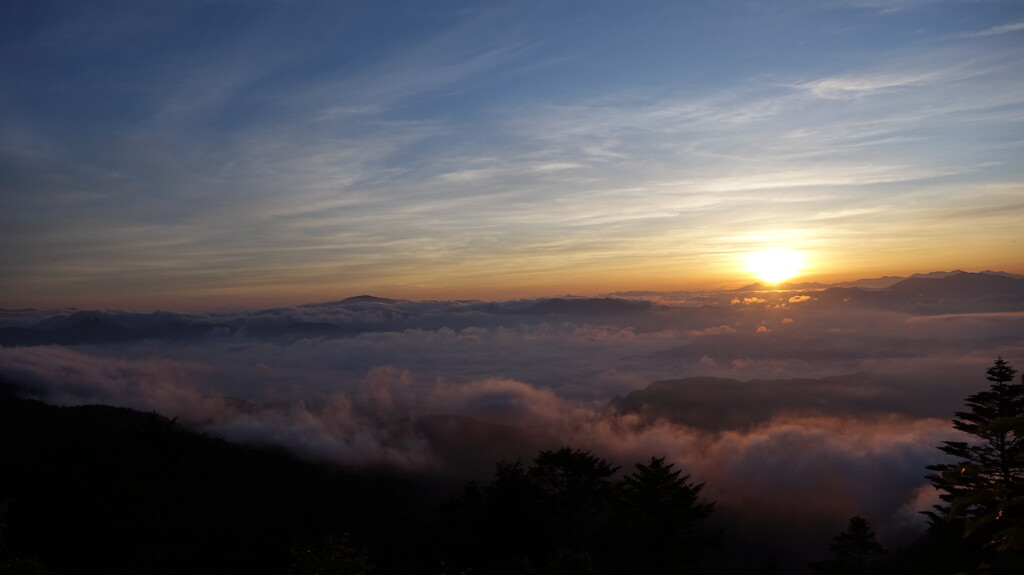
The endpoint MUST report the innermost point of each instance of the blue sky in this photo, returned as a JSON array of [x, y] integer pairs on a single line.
[[189, 154]]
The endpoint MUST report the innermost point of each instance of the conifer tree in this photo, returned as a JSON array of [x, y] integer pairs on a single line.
[[994, 457], [854, 551], [660, 518], [983, 491]]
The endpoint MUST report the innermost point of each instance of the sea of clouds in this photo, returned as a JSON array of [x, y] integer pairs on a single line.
[[797, 410]]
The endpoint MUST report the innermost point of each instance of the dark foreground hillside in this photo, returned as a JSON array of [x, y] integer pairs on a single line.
[[96, 489], [99, 489]]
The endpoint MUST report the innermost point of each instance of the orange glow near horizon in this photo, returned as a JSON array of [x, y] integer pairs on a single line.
[[730, 270]]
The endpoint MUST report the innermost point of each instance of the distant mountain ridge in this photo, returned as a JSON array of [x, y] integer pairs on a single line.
[[702, 402], [869, 283], [709, 403], [962, 292], [330, 320], [352, 300], [935, 292], [962, 284]]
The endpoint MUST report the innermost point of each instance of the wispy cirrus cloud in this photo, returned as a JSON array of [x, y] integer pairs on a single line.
[[995, 30], [859, 86], [266, 158]]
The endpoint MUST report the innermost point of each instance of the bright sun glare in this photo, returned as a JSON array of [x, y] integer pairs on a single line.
[[774, 266]]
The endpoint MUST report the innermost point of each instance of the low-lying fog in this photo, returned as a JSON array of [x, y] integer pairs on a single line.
[[798, 409]]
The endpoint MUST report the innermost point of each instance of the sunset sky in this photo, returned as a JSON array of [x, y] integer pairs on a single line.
[[197, 154]]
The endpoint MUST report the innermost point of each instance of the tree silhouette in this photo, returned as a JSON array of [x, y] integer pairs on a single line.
[[334, 556], [500, 521], [566, 514], [770, 566], [657, 519], [575, 490], [854, 551], [16, 563], [983, 491]]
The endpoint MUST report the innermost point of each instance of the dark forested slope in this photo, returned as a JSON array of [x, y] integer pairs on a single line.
[[92, 489]]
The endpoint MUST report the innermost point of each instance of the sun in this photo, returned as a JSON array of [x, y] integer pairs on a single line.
[[774, 266]]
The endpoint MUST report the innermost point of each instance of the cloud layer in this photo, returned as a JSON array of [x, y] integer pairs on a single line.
[[795, 405]]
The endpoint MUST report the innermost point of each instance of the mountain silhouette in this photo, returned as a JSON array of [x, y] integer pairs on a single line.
[[575, 306], [709, 402], [962, 285]]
